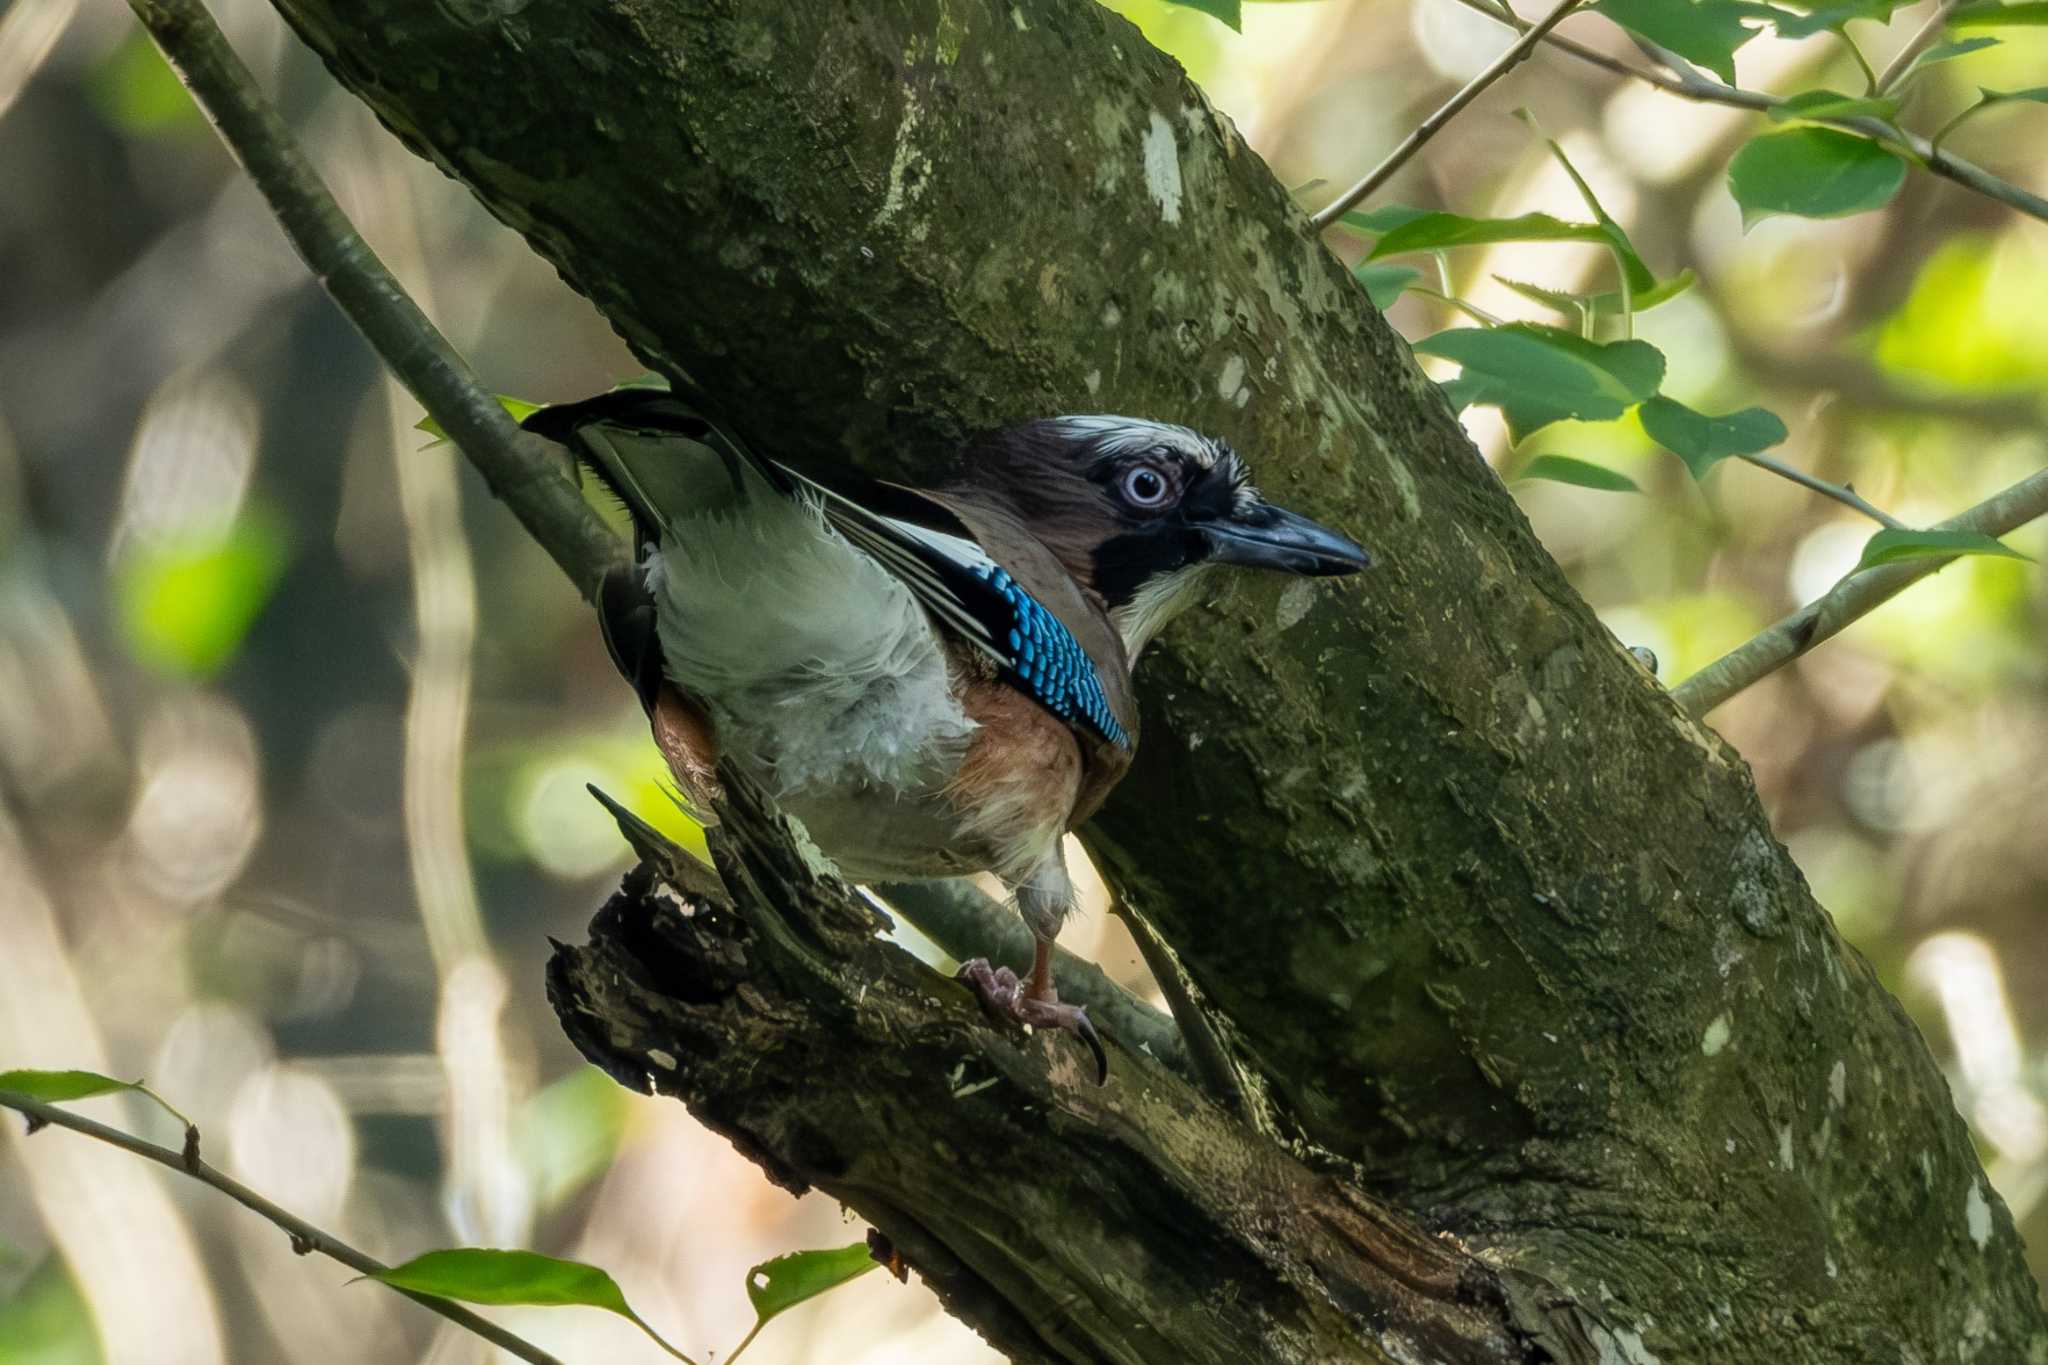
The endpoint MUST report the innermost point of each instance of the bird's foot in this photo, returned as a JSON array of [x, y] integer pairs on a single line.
[[1005, 995]]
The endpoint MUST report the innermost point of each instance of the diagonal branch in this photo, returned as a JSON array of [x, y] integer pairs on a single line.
[[1895, 70], [1500, 66], [520, 468], [1850, 600], [305, 1237]]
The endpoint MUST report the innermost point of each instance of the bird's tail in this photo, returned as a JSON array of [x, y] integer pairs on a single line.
[[660, 451]]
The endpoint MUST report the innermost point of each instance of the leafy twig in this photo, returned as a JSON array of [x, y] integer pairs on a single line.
[[1848, 601], [520, 468], [1707, 91], [1431, 126], [304, 1236]]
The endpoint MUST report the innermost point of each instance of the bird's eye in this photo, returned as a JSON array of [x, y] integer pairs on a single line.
[[1145, 486]]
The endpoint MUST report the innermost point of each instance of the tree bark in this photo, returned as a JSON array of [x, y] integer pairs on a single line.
[[1492, 922]]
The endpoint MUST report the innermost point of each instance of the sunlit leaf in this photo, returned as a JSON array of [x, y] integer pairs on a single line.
[[1946, 52], [1564, 301], [59, 1087], [1607, 300], [1706, 32], [1539, 375], [1813, 173], [1890, 547], [568, 1132], [187, 602], [136, 91], [2031, 14], [1432, 231], [1580, 473], [518, 407], [1385, 218], [46, 1321], [781, 1284], [1384, 283], [1973, 321], [1229, 11], [1826, 104], [490, 1276], [1702, 441], [484, 1275]]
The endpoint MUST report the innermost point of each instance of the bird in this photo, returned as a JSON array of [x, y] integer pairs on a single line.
[[933, 681]]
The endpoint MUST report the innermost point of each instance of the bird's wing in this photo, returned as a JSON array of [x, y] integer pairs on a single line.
[[629, 436], [964, 588]]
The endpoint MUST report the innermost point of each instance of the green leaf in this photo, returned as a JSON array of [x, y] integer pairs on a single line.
[[1814, 173], [1834, 18], [489, 1276], [1702, 441], [1385, 218], [1433, 231], [518, 407], [1539, 375], [1890, 547], [778, 1285], [46, 1321], [58, 1087], [1825, 104], [136, 91], [1950, 51], [1384, 283], [1607, 301], [1706, 32], [485, 1275], [187, 602], [1635, 274], [2032, 14], [568, 1132], [1565, 469], [1229, 11]]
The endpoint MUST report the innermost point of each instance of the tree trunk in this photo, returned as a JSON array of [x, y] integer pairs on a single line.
[[1490, 921]]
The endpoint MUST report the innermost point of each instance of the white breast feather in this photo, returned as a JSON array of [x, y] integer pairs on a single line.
[[821, 670]]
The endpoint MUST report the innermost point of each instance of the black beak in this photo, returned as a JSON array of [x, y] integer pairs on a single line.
[[1269, 537]]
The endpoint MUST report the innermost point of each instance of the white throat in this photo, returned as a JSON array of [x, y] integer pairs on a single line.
[[1159, 601]]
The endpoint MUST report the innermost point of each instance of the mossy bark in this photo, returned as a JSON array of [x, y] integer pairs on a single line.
[[1494, 923]]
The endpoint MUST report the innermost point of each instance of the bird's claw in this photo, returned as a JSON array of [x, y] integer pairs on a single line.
[[1005, 995]]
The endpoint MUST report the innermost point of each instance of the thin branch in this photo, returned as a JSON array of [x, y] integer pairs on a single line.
[[1431, 126], [1849, 600], [1840, 492], [522, 470], [304, 1236], [1895, 70], [1700, 88]]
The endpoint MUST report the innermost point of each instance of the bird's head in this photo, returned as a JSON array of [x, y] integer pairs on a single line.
[[1141, 511]]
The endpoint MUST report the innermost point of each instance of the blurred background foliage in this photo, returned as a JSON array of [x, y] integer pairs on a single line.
[[295, 724]]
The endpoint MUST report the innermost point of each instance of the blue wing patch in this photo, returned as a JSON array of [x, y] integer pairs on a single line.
[[1045, 661]]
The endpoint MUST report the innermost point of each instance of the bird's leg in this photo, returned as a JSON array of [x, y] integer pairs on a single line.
[[1044, 898]]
